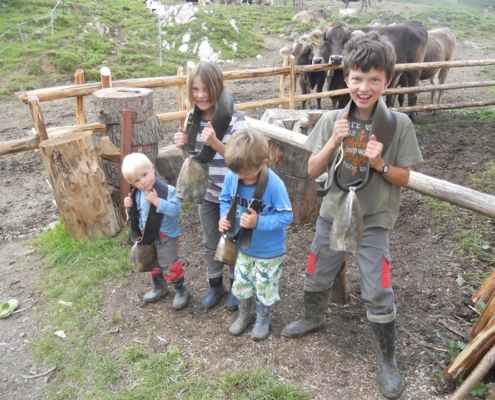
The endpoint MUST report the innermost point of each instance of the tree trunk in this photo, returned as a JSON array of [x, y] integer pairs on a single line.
[[79, 185], [144, 132]]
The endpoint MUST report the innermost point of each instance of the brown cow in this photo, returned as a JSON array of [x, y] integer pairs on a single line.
[[320, 15], [408, 39], [302, 50], [440, 47]]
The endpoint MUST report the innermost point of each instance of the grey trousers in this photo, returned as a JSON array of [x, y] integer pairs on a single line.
[[209, 215], [374, 267]]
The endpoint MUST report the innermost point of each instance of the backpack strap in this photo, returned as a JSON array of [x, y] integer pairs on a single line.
[[224, 109]]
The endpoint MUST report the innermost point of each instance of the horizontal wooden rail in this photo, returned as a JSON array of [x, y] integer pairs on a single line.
[[442, 190], [64, 92]]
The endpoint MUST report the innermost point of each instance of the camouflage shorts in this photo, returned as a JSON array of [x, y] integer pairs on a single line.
[[257, 276]]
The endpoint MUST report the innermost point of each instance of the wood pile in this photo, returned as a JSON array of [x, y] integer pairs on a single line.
[[478, 357]]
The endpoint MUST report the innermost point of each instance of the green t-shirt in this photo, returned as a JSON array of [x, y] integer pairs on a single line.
[[380, 199]]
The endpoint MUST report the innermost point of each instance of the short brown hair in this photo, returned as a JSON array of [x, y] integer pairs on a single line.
[[246, 150], [369, 51], [212, 77]]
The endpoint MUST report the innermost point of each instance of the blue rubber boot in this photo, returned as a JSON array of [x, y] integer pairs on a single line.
[[231, 302], [261, 328], [245, 318], [217, 290]]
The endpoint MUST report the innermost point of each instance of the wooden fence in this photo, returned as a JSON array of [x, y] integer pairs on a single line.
[[81, 89]]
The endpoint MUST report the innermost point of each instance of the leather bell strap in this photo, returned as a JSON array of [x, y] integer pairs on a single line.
[[244, 236], [220, 123], [154, 220], [383, 127]]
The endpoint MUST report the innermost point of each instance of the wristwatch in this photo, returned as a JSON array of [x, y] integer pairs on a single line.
[[384, 170]]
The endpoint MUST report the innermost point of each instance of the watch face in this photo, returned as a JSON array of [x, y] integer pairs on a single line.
[[385, 168]]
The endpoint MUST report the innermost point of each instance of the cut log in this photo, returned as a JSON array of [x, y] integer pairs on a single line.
[[79, 186], [108, 151], [486, 317], [108, 104], [468, 358], [486, 290], [144, 132]]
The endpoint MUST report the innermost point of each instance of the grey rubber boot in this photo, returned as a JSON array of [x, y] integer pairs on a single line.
[[160, 289], [315, 304], [231, 302], [261, 328], [181, 294], [245, 318], [389, 378]]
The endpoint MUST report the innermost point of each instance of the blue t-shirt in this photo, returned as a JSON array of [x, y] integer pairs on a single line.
[[169, 207], [274, 216]]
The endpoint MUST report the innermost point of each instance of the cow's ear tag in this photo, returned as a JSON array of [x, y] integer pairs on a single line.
[[319, 40]]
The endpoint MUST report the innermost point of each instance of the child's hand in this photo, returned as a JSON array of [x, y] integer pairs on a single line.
[[340, 129], [249, 219], [223, 224], [180, 138], [128, 201], [208, 136], [152, 197], [374, 153]]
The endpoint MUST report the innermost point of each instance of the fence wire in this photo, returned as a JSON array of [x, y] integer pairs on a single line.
[[26, 29]]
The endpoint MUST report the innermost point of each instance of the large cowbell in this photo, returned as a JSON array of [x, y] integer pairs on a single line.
[[347, 227], [143, 257], [192, 181]]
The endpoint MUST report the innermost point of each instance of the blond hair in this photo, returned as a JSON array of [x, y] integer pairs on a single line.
[[212, 77], [132, 163], [246, 150]]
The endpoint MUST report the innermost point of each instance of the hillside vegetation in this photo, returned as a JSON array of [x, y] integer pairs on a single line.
[[123, 34]]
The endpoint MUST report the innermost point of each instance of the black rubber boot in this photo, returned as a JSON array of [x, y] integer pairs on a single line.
[[315, 304], [389, 378], [261, 328], [160, 289], [245, 318], [181, 294], [217, 290], [231, 302]]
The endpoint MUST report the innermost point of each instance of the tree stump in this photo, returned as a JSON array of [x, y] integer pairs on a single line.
[[79, 185], [146, 130]]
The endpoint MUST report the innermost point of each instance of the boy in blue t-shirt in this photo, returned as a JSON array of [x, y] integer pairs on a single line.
[[259, 265]]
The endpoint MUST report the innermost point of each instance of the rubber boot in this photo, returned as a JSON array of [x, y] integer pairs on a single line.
[[261, 328], [315, 304], [389, 378], [181, 294], [217, 290], [231, 302], [160, 289], [245, 318]]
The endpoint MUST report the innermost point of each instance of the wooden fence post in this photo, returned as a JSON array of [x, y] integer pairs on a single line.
[[80, 115], [106, 78], [292, 82]]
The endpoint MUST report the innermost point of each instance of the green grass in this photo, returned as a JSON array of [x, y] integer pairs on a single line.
[[77, 272]]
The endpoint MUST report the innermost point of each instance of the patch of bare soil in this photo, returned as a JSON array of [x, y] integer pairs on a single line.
[[337, 362]]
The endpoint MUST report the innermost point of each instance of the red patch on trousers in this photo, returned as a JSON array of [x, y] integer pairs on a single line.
[[310, 266], [385, 273], [176, 272], [156, 271]]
